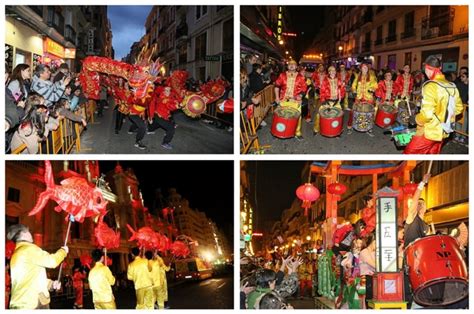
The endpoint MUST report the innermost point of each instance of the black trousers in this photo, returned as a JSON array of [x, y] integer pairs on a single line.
[[167, 125], [118, 119], [137, 125]]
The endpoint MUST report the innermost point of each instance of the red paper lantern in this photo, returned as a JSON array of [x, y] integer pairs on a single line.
[[179, 249], [308, 193], [410, 188], [337, 188], [86, 260]]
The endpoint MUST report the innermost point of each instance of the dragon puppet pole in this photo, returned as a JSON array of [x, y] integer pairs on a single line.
[[71, 219], [429, 167], [105, 254]]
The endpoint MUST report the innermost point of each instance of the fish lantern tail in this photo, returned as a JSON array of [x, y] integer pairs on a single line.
[[133, 233]]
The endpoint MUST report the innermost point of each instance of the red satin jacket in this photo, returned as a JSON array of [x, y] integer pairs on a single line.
[[299, 88], [381, 91], [326, 93], [400, 81]]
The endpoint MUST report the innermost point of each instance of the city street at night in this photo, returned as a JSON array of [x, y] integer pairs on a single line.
[[215, 293], [354, 79], [354, 234], [131, 79], [105, 233]]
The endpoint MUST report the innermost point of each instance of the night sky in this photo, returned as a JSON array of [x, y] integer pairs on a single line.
[[207, 185], [128, 26], [273, 185], [306, 22]]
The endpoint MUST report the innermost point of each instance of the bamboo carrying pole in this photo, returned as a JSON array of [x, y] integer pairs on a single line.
[[71, 218]]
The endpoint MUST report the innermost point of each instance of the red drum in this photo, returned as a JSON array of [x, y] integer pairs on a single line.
[[285, 122], [437, 270], [363, 120], [330, 121], [386, 115]]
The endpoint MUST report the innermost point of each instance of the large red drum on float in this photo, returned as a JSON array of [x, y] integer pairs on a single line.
[[330, 121], [437, 270], [285, 122], [386, 115]]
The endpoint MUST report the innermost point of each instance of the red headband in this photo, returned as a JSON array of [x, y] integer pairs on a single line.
[[435, 70]]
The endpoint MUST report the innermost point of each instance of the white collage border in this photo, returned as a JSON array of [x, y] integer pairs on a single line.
[[236, 157]]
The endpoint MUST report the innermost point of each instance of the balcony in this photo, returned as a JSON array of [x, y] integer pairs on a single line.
[[181, 32], [391, 38], [366, 46], [439, 25], [411, 32], [378, 41], [70, 34]]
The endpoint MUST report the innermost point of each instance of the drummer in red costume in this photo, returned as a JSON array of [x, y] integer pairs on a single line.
[[368, 215], [404, 83], [440, 105], [163, 103], [387, 89], [331, 92], [290, 87]]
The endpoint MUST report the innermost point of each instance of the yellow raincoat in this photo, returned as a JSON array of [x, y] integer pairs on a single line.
[[29, 283], [101, 281], [433, 108], [140, 273], [160, 288]]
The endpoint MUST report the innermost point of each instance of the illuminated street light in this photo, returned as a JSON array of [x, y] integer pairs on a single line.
[[340, 48], [287, 52], [281, 42], [308, 238]]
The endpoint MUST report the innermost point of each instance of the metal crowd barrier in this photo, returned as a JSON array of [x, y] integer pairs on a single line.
[[248, 126], [67, 136]]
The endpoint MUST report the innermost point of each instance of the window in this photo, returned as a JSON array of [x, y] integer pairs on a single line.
[[13, 195], [201, 46], [409, 21], [201, 10], [392, 27], [228, 35], [379, 39]]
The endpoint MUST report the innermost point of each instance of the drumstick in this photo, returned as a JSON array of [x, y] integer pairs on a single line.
[[409, 111], [429, 167], [433, 229]]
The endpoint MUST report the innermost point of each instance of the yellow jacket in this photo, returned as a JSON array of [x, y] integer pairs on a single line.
[[101, 281], [140, 273], [163, 283], [28, 274], [362, 88], [433, 108]]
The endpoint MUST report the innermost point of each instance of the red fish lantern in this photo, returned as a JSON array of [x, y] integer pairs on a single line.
[[308, 193], [145, 237], [337, 188], [164, 243], [75, 196], [9, 249], [105, 236], [86, 260], [410, 188], [179, 249]]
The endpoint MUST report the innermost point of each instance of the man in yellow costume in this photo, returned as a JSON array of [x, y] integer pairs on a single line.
[[364, 85], [140, 273], [29, 283], [439, 107], [290, 87], [101, 281], [160, 284]]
